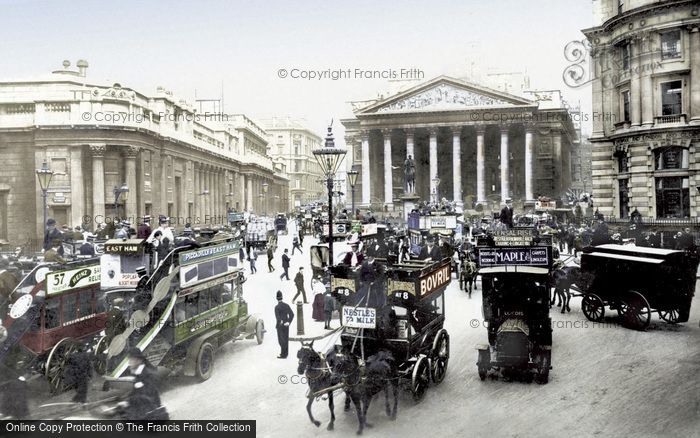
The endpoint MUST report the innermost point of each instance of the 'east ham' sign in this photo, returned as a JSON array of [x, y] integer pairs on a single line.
[[434, 280]]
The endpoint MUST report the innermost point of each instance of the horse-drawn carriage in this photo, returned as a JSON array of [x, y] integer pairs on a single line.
[[636, 281], [281, 223], [398, 308], [55, 311], [515, 289]]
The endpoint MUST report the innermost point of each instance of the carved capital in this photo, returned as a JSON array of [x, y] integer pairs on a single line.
[[410, 132], [386, 132], [130, 151], [480, 129], [98, 150], [456, 130], [433, 130]]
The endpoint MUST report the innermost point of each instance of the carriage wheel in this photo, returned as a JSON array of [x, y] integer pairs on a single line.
[[420, 378], [441, 356], [593, 307], [101, 349], [56, 364], [671, 315], [484, 363], [259, 331], [634, 311]]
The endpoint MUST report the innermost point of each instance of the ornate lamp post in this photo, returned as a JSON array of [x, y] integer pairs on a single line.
[[329, 158], [44, 176], [352, 180], [122, 192]]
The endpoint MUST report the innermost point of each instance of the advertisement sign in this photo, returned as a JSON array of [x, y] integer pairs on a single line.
[[427, 284], [508, 256], [359, 317], [61, 281], [215, 251], [111, 274]]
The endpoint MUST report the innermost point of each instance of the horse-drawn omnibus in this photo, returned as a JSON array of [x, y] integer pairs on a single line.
[[399, 308], [56, 310], [515, 278], [189, 306], [636, 281]]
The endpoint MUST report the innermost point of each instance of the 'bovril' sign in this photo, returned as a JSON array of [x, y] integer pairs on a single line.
[[434, 280]]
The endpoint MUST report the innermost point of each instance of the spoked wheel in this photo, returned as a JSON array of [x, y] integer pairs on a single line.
[[484, 363], [634, 311], [420, 378], [101, 349], [670, 315], [440, 356], [259, 331], [593, 308], [205, 361], [545, 362], [56, 364]]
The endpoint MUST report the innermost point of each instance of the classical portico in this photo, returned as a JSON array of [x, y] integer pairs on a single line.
[[469, 143]]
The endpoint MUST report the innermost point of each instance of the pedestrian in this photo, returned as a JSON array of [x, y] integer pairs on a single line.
[[299, 282], [144, 230], [270, 255], [77, 374], [284, 317], [319, 290], [143, 402], [252, 258], [51, 234], [88, 247], [285, 264], [123, 231], [164, 228], [295, 245], [328, 308], [301, 239], [241, 254]]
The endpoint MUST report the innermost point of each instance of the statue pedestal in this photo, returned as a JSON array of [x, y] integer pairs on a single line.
[[409, 201]]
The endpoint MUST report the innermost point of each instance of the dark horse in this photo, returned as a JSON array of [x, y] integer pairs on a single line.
[[380, 372], [318, 375], [562, 278], [467, 272]]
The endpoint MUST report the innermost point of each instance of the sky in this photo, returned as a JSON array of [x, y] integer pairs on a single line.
[[243, 45]]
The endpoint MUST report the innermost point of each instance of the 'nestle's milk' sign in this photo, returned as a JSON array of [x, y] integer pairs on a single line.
[[359, 317]]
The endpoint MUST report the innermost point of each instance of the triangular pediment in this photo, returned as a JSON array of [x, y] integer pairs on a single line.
[[444, 94]]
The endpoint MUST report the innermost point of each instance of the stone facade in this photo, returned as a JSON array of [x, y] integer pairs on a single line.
[[470, 144], [291, 142], [95, 137], [646, 107]]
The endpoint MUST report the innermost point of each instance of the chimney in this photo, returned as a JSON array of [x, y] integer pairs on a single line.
[[82, 67]]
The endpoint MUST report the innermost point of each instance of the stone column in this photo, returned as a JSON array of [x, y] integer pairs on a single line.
[[529, 171], [196, 193], [366, 200], [98, 184], [504, 163], [457, 165], [249, 204], [409, 143], [647, 61], [695, 75], [558, 159], [77, 202], [130, 176], [388, 180], [635, 85], [433, 161], [480, 166]]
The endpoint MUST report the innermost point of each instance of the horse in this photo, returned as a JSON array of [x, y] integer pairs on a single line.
[[379, 372], [562, 278], [467, 273], [319, 376]]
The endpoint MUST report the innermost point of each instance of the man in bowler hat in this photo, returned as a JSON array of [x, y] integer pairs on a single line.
[[284, 316]]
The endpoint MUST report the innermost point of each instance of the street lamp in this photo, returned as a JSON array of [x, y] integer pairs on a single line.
[[122, 191], [329, 158], [436, 180], [44, 175], [352, 180], [262, 196]]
